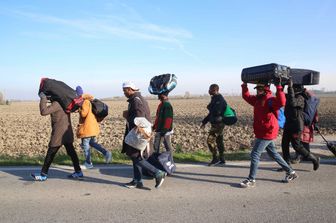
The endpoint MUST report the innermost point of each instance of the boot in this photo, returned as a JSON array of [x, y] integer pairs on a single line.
[[315, 160]]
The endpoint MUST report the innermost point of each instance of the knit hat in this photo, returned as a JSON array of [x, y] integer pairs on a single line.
[[79, 90]]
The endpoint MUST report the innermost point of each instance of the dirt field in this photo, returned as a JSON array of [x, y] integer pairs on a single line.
[[24, 132]]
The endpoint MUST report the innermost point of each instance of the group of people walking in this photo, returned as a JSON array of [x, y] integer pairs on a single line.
[[266, 128], [88, 129], [265, 115]]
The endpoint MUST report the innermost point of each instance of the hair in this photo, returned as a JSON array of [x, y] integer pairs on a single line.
[[215, 87]]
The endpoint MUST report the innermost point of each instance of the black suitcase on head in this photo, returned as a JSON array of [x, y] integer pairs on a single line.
[[304, 76], [264, 74]]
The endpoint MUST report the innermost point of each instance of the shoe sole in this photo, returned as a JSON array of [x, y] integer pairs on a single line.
[[246, 186], [214, 164], [130, 187], [288, 181], [157, 187], [37, 180]]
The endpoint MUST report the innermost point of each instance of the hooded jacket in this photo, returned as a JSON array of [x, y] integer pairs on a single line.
[[88, 125], [265, 123]]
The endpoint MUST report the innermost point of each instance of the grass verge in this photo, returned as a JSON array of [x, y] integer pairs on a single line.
[[63, 159]]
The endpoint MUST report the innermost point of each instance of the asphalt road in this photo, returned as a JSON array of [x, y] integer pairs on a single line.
[[196, 193]]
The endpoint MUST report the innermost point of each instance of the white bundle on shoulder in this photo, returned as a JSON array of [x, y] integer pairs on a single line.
[[140, 135]]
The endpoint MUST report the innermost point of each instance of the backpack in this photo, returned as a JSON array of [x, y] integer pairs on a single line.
[[280, 116], [310, 108], [229, 116], [99, 109]]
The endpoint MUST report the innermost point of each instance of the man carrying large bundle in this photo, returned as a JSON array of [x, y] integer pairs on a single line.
[[61, 134]]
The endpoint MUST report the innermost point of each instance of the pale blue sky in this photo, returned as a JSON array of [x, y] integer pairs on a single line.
[[101, 43]]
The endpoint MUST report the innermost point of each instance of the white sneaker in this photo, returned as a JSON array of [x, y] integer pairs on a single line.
[[88, 165], [248, 183], [108, 157]]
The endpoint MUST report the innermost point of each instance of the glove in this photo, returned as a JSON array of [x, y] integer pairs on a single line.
[[42, 95], [316, 127]]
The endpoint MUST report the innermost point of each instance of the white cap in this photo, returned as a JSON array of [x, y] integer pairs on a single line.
[[129, 84]]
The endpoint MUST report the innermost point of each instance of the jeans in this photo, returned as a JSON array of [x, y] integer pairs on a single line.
[[138, 164], [52, 152], [166, 142], [259, 147], [91, 142]]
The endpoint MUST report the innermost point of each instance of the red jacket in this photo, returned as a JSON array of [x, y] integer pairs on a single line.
[[265, 124]]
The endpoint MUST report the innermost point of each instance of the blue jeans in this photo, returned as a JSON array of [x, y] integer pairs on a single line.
[[91, 142], [259, 147]]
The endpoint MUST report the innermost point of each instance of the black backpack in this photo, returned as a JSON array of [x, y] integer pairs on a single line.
[[99, 109]]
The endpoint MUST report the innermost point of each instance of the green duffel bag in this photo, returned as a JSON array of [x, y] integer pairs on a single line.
[[229, 116]]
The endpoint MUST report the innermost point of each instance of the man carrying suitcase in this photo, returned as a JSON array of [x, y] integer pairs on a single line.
[[265, 126]]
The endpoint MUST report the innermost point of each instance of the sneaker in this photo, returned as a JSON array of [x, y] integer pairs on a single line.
[[248, 183], [88, 165], [290, 177], [213, 162], [108, 157], [131, 184], [76, 175], [220, 163], [159, 178], [39, 176]]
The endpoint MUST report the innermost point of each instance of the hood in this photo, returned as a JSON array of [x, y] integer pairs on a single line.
[[87, 97]]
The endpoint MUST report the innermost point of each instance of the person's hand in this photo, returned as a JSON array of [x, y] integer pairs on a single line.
[[316, 127], [125, 114], [277, 81], [42, 95]]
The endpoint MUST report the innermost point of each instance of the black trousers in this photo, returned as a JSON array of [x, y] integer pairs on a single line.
[[294, 139], [51, 155]]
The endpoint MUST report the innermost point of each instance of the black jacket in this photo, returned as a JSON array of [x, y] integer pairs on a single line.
[[137, 107], [216, 109], [294, 111]]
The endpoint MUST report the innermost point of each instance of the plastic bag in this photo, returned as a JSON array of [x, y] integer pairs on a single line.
[[140, 135]]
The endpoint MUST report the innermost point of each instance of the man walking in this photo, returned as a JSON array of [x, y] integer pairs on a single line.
[[61, 134], [265, 126], [294, 125], [138, 107], [215, 139], [163, 125]]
